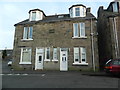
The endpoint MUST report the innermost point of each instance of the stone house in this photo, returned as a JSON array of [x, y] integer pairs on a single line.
[[109, 31], [57, 42]]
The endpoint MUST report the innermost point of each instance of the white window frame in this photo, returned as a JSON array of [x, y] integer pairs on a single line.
[[83, 51], [54, 59], [46, 54], [77, 11], [79, 30], [33, 16], [21, 57], [82, 29], [71, 12], [30, 31], [76, 50], [74, 30], [80, 57], [26, 34], [115, 8]]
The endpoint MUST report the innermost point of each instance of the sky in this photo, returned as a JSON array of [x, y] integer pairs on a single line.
[[14, 11]]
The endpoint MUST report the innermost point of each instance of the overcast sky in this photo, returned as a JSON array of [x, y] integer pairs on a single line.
[[14, 11]]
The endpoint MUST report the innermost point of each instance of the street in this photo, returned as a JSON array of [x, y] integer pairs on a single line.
[[56, 79]]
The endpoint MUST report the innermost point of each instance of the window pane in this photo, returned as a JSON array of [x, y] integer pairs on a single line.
[[77, 11], [75, 30], [33, 15], [116, 62], [30, 32], [26, 55], [82, 29], [76, 54], [48, 53], [84, 11], [83, 54], [71, 12], [40, 58], [55, 54], [115, 8], [25, 35]]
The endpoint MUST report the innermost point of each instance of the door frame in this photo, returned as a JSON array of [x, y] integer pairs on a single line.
[[36, 62], [66, 50]]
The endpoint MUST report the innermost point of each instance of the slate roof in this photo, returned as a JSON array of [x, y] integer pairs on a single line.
[[55, 18]]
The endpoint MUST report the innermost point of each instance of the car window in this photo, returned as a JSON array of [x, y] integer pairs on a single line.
[[116, 62]]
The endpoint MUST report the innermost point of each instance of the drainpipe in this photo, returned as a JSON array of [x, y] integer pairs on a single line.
[[92, 41]]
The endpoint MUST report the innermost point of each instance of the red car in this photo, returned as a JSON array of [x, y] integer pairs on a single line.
[[112, 66]]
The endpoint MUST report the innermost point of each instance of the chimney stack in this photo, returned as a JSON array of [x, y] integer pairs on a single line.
[[88, 10]]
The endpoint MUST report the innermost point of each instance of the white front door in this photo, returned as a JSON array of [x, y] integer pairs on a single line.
[[39, 59], [63, 60]]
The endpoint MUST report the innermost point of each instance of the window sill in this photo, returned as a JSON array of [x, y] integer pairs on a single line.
[[80, 37], [25, 63], [54, 60], [78, 16], [47, 60], [26, 39], [80, 63]]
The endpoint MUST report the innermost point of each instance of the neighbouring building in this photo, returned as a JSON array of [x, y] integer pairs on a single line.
[[9, 54], [57, 42], [109, 31]]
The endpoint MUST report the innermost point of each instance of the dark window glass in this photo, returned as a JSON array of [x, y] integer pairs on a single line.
[[40, 58]]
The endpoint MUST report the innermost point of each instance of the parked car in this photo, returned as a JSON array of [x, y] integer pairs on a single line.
[[9, 62], [112, 66]]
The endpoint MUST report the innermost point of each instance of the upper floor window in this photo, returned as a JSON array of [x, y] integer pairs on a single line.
[[82, 29], [115, 7], [33, 16], [79, 30], [28, 31], [77, 11], [71, 12], [75, 27]]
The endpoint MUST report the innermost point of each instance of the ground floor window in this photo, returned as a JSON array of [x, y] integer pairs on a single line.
[[83, 54], [55, 55], [25, 56], [76, 55], [80, 55], [47, 54]]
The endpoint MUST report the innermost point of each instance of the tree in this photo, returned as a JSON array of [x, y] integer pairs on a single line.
[[4, 54]]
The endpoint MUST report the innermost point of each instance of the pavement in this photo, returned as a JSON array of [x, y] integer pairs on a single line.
[[7, 70]]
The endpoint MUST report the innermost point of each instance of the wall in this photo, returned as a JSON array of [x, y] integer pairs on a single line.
[[56, 34]]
